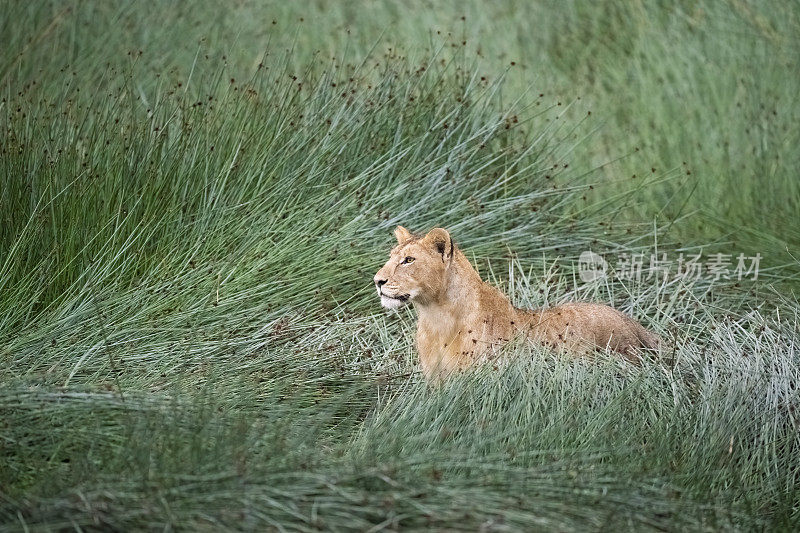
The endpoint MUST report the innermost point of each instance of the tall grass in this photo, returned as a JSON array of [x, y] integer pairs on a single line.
[[194, 201]]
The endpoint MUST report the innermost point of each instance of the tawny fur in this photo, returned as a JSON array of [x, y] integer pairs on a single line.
[[462, 319]]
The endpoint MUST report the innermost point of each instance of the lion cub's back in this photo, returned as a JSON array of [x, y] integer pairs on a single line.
[[591, 326]]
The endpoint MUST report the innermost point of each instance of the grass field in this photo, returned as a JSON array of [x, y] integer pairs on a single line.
[[194, 198]]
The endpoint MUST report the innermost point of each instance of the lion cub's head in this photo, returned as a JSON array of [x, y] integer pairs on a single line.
[[417, 268]]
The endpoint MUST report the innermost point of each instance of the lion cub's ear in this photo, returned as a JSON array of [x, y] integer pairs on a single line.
[[402, 234], [440, 239]]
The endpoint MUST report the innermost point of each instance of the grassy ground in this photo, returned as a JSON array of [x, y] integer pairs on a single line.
[[194, 199]]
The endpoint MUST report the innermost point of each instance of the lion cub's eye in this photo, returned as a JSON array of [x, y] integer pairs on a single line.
[[407, 261]]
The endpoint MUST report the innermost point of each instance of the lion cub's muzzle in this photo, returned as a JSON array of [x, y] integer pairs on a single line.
[[391, 298], [390, 301]]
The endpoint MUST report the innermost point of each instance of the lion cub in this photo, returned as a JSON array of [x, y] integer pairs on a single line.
[[463, 319]]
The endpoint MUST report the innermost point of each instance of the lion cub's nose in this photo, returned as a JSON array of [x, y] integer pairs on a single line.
[[379, 282]]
